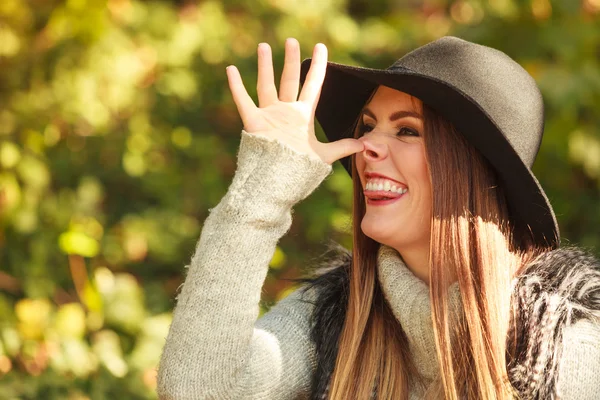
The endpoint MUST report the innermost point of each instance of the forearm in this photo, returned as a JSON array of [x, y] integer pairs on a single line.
[[209, 340]]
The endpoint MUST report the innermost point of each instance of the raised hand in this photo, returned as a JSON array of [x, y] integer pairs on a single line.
[[288, 117]]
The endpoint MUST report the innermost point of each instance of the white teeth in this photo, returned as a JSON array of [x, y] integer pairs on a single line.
[[386, 185]]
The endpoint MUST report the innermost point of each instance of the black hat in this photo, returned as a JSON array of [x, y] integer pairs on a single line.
[[486, 95]]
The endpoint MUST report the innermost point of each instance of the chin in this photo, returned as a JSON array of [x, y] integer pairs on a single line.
[[377, 234]]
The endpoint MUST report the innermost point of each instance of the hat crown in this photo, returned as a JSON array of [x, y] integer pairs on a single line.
[[497, 84]]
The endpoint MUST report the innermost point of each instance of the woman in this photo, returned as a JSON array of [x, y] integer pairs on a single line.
[[456, 287]]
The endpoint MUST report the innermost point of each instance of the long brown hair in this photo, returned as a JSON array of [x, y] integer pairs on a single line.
[[472, 239]]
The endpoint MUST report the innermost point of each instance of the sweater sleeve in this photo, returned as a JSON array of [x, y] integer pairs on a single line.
[[580, 365], [215, 347]]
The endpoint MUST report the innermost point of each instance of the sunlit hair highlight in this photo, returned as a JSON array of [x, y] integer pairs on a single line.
[[473, 245]]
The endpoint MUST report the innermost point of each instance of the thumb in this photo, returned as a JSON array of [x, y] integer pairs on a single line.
[[342, 148]]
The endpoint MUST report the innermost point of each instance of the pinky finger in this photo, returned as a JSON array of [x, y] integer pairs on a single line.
[[242, 99]]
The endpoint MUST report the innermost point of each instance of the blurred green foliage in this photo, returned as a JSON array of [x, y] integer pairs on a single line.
[[118, 133]]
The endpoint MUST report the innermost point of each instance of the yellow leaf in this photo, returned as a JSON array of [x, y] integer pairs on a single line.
[[70, 321], [278, 258], [33, 316], [9, 154], [91, 297], [78, 243]]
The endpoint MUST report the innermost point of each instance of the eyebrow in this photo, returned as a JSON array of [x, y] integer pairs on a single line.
[[396, 115]]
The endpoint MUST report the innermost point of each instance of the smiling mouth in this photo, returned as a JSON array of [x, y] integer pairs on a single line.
[[380, 190], [382, 197], [383, 194]]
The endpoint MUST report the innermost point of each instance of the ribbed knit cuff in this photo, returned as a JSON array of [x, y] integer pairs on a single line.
[[271, 175]]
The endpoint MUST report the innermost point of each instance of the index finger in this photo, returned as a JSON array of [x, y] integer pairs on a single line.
[[316, 75], [241, 98]]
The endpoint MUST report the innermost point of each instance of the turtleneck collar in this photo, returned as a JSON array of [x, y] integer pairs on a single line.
[[408, 297]]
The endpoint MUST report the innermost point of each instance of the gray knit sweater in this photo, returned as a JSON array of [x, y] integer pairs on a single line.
[[216, 349]]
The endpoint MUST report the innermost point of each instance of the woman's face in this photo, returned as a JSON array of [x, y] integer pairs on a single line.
[[393, 171]]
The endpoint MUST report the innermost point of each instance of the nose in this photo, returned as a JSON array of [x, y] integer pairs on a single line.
[[375, 149]]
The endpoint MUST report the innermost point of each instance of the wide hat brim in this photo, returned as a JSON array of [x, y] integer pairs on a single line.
[[347, 88]]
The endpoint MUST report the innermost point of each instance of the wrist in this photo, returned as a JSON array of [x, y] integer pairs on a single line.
[[271, 172]]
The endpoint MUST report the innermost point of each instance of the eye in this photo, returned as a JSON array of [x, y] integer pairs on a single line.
[[403, 131], [406, 131], [363, 128]]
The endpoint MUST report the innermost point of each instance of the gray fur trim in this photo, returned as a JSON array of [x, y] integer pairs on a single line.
[[556, 290]]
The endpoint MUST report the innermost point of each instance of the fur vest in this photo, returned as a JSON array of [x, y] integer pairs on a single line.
[[556, 290]]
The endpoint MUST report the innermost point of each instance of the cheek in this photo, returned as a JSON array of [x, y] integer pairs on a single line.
[[415, 166]]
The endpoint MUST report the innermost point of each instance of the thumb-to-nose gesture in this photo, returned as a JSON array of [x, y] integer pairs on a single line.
[[287, 117]]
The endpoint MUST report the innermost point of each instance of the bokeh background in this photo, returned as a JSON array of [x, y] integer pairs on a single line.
[[118, 134]]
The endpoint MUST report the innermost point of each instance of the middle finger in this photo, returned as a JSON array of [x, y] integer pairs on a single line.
[[267, 92], [290, 78]]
